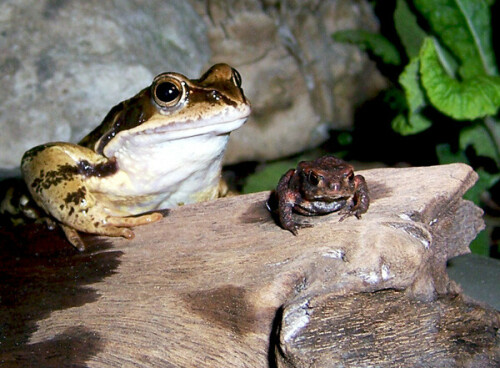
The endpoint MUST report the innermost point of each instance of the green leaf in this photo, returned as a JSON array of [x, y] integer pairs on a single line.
[[395, 98], [473, 98], [401, 125], [485, 182], [464, 28], [410, 80], [418, 122], [409, 31], [344, 138], [414, 122], [448, 61], [268, 177], [446, 156], [372, 42], [481, 244], [477, 136], [411, 124]]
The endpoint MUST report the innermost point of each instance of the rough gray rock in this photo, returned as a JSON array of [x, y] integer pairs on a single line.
[[299, 81], [65, 64]]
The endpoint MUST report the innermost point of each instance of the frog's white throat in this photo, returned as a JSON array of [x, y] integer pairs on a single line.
[[170, 173], [173, 166]]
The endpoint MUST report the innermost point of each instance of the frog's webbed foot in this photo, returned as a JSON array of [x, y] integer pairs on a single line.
[[119, 226], [134, 220], [111, 226], [73, 237]]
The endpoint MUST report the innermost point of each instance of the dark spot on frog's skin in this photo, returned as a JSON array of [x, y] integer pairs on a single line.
[[71, 211], [76, 197], [100, 170], [54, 177], [96, 224], [200, 96], [67, 172], [32, 153], [61, 207], [124, 116]]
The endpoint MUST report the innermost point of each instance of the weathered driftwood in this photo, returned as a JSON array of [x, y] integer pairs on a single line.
[[219, 284]]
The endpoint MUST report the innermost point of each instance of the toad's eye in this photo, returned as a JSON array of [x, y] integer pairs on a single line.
[[313, 178], [167, 92], [349, 175]]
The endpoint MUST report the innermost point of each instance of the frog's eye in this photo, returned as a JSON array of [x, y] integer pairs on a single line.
[[313, 178], [167, 92], [236, 77]]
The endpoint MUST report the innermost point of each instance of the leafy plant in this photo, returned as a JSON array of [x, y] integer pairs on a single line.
[[451, 68], [267, 177]]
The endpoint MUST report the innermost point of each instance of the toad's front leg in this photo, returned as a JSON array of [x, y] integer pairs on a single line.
[[288, 199], [57, 176], [360, 200]]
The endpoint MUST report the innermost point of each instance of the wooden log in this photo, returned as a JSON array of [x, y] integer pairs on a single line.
[[219, 284], [387, 329]]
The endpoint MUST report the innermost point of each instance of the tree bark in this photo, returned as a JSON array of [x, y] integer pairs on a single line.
[[219, 284]]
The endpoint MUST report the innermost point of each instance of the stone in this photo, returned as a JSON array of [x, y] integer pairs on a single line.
[[301, 83], [65, 64]]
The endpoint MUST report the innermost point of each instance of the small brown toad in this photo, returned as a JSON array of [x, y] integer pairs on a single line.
[[318, 187]]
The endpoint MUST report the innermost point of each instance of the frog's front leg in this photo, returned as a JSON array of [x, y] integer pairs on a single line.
[[57, 176], [111, 226]]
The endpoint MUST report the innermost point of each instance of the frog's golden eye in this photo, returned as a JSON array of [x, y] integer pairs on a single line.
[[167, 92], [236, 77]]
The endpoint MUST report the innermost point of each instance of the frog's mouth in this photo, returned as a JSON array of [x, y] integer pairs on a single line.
[[151, 134], [222, 123], [191, 128]]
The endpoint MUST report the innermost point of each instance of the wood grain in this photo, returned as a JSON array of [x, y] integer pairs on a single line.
[[210, 284]]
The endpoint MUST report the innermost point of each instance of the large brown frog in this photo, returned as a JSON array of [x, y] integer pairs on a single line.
[[319, 187], [161, 148]]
